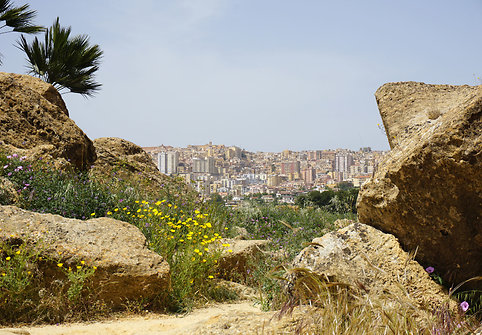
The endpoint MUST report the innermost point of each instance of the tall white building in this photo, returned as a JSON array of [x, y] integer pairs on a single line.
[[167, 162], [343, 162], [203, 165]]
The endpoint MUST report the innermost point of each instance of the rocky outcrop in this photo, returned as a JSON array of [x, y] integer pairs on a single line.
[[127, 161], [428, 190], [126, 269], [366, 258], [8, 194], [34, 122], [239, 257]]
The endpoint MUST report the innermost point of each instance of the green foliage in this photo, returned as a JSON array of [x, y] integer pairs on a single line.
[[44, 189], [187, 238], [25, 295], [287, 227], [78, 278], [342, 201], [64, 61], [19, 19]]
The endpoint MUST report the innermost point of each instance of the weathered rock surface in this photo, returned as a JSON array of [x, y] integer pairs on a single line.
[[8, 194], [126, 269], [362, 256], [428, 190], [130, 162], [34, 122], [235, 265]]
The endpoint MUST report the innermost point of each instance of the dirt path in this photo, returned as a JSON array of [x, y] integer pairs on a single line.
[[240, 318]]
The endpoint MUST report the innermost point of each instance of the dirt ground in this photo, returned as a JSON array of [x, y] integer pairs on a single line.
[[239, 318]]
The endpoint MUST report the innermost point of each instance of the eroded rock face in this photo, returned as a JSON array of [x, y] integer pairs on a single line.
[[126, 269], [234, 265], [34, 122], [362, 256], [128, 161], [8, 194], [428, 190]]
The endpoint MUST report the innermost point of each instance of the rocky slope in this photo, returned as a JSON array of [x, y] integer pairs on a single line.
[[428, 190], [34, 122]]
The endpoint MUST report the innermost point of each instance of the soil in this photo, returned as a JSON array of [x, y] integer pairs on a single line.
[[237, 318]]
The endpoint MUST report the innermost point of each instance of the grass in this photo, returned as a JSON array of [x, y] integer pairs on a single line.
[[324, 307], [188, 233], [25, 295]]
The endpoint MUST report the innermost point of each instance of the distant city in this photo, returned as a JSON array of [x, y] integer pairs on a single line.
[[235, 173]]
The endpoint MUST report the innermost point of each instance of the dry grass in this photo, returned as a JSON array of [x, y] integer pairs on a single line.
[[323, 307]]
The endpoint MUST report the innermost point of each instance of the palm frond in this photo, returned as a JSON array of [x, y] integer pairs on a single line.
[[19, 18], [65, 62]]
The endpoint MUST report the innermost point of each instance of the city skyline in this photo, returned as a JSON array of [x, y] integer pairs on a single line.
[[264, 75], [230, 171]]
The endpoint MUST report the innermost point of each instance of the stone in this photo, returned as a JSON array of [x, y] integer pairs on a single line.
[[128, 161], [126, 268], [364, 257], [428, 190], [235, 265], [8, 194], [34, 122]]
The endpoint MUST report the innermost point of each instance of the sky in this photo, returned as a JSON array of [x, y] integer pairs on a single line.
[[264, 75]]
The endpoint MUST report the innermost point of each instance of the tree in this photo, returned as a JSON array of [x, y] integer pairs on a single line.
[[65, 62], [345, 185], [18, 18]]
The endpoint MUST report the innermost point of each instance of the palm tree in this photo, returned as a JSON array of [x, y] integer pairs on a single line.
[[65, 62], [18, 18]]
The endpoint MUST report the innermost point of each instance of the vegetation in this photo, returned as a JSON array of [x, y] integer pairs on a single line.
[[341, 201], [26, 295], [188, 233], [65, 61], [18, 19], [325, 307]]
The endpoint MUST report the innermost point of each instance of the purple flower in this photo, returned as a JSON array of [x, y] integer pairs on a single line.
[[464, 305], [49, 198], [14, 155], [8, 157], [430, 270], [9, 174]]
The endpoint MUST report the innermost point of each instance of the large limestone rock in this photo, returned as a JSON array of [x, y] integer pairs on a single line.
[[428, 190], [126, 160], [8, 194], [364, 257], [126, 268], [239, 257], [34, 122]]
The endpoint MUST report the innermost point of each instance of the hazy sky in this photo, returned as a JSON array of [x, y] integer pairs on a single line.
[[265, 75]]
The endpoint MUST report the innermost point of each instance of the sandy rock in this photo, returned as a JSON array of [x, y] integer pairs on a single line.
[[242, 292], [126, 160], [8, 194], [240, 233], [236, 264], [362, 256], [342, 223], [126, 269], [35, 123], [13, 332], [427, 191]]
